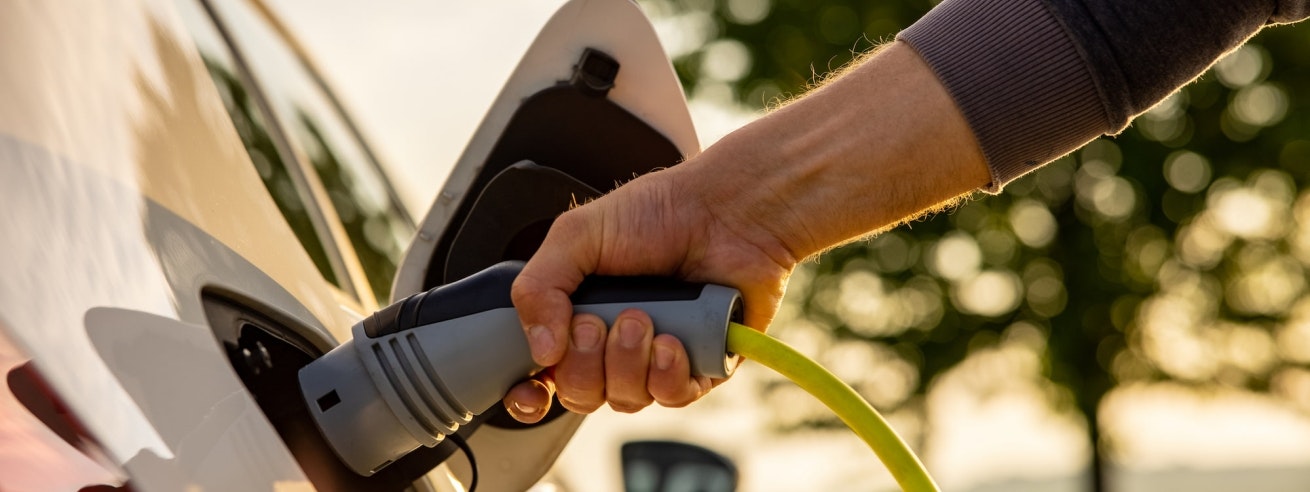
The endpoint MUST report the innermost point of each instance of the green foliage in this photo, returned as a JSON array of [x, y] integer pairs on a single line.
[[790, 42]]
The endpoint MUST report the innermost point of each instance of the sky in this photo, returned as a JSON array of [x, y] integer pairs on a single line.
[[417, 75]]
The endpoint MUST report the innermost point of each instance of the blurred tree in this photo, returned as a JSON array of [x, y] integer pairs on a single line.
[[1175, 251]]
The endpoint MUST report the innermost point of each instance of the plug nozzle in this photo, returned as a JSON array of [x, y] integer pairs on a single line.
[[421, 368], [377, 399]]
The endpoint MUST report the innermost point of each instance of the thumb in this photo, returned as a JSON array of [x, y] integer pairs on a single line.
[[541, 291]]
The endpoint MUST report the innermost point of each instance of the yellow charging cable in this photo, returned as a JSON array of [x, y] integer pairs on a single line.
[[844, 401]]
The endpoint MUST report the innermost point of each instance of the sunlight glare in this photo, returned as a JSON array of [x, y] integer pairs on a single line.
[[990, 293], [1187, 171], [955, 257], [1032, 222], [1245, 213], [1243, 67]]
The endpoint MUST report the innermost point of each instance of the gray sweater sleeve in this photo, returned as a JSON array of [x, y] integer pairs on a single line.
[[1037, 79]]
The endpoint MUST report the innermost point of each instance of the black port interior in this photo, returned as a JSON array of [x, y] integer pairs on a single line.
[[267, 355], [567, 128], [572, 129]]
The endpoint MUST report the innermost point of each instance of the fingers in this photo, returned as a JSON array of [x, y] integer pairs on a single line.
[[670, 381], [581, 373], [529, 400], [625, 366], [541, 291], [627, 361]]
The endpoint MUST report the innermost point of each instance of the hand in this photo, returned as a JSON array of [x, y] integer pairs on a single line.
[[659, 224], [873, 147]]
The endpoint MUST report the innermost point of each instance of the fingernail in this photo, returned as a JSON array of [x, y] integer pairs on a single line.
[[663, 357], [524, 409], [586, 336], [630, 333], [543, 342]]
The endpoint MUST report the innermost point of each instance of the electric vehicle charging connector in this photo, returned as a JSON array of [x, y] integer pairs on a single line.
[[417, 370]]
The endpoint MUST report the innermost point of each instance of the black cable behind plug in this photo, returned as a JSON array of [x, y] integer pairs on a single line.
[[468, 453]]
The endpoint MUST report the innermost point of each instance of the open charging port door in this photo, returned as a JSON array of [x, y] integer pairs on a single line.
[[593, 103]]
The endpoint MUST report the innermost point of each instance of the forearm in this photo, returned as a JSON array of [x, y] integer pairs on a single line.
[[868, 150]]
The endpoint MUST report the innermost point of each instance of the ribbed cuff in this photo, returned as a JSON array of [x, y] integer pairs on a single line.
[[1014, 71]]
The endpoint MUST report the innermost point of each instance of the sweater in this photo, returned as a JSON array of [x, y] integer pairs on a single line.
[[1037, 79]]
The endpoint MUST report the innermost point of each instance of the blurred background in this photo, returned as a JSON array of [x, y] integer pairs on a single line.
[[1132, 317]]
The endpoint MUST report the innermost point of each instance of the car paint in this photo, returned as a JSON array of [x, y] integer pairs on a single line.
[[127, 193], [121, 167]]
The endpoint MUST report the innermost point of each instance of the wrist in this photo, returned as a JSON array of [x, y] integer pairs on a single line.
[[875, 146], [735, 183], [842, 162]]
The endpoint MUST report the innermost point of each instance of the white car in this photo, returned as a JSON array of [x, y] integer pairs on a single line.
[[188, 217]]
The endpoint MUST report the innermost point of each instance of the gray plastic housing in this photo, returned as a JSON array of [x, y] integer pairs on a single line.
[[377, 398]]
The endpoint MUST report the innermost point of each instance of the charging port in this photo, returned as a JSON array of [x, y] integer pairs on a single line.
[[267, 356]]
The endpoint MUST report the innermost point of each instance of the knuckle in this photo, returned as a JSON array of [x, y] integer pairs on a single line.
[[675, 398], [578, 385], [569, 223], [579, 406], [625, 408], [628, 406], [705, 384], [524, 288], [677, 403]]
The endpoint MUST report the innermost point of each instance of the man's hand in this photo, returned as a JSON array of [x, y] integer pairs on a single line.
[[871, 148], [654, 225]]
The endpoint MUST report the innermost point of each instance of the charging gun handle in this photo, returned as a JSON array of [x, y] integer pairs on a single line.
[[439, 357], [697, 314]]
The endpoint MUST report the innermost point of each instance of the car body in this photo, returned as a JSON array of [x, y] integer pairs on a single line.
[[189, 216]]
